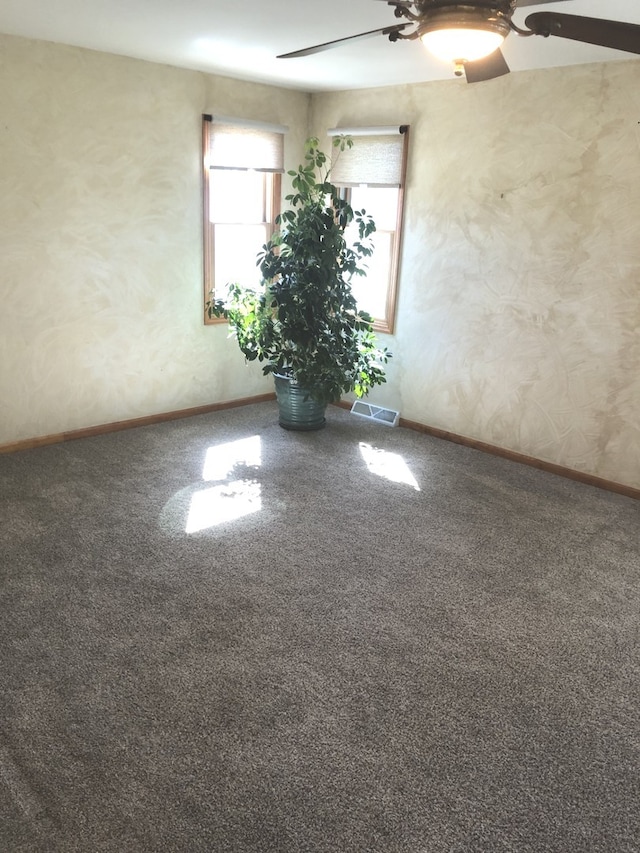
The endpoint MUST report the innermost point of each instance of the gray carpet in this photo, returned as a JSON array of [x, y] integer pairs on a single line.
[[400, 646]]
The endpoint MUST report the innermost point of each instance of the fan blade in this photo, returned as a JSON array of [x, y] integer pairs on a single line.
[[615, 34], [494, 65], [327, 45]]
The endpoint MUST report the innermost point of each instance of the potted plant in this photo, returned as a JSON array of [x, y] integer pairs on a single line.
[[304, 321]]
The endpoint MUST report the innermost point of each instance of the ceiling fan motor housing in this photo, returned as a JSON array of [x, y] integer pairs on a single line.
[[493, 16], [475, 19], [424, 8]]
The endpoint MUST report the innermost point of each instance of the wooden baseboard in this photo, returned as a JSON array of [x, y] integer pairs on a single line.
[[116, 426], [514, 456], [148, 420]]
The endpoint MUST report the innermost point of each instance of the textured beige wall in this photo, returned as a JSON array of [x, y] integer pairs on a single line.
[[519, 310], [100, 237]]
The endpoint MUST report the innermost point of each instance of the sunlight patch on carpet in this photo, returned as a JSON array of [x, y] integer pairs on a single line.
[[222, 459], [389, 465], [226, 502], [237, 495]]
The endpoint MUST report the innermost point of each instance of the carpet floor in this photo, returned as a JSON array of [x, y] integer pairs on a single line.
[[217, 635]]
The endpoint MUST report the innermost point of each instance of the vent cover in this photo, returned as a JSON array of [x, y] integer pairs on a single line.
[[375, 413]]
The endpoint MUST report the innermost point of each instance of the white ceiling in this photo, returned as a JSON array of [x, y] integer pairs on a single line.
[[241, 38]]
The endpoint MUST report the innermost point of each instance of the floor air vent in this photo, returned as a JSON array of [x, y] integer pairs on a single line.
[[375, 413]]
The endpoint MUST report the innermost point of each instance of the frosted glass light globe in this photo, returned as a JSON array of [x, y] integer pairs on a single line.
[[463, 44]]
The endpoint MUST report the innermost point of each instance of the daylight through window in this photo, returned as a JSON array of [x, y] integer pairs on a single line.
[[372, 177], [243, 162]]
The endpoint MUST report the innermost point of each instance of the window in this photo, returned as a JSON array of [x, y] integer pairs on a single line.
[[372, 175], [243, 162]]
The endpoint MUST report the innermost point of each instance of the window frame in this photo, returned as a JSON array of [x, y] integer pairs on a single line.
[[272, 203], [386, 324]]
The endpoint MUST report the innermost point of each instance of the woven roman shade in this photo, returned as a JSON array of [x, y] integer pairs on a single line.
[[376, 158], [241, 144]]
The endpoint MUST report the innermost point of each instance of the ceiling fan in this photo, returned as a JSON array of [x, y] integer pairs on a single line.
[[470, 34]]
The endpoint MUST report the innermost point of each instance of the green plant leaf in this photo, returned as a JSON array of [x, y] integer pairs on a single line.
[[304, 319]]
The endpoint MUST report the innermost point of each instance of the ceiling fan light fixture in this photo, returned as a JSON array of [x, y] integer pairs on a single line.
[[461, 45], [463, 36]]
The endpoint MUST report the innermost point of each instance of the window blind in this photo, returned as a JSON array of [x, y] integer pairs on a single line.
[[242, 144], [376, 158]]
